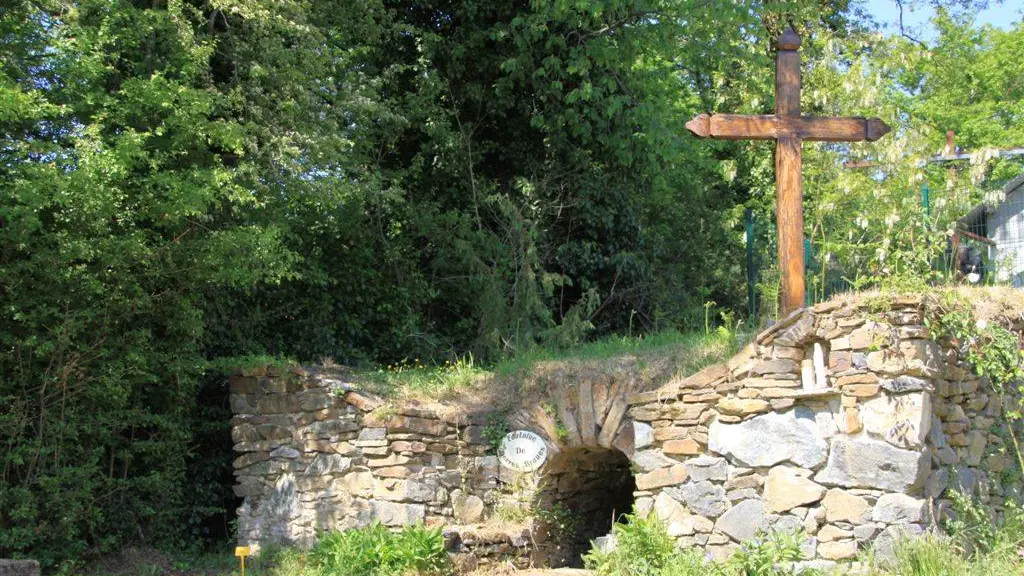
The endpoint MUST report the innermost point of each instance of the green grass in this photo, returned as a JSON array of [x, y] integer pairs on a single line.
[[689, 352], [695, 350]]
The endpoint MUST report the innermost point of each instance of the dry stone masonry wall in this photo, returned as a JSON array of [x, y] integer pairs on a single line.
[[846, 421]]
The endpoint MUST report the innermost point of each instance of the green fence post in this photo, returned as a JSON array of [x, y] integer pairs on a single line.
[[751, 292]]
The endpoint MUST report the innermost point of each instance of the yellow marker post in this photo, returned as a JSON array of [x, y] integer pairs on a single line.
[[242, 552]]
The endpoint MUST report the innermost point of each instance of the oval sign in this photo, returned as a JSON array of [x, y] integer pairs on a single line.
[[522, 451]]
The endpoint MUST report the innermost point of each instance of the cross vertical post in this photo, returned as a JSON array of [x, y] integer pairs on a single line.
[[789, 186]]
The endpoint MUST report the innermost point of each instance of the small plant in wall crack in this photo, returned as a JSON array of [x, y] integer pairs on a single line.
[[496, 429]]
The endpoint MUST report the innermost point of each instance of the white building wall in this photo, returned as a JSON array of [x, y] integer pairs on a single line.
[[1006, 228]]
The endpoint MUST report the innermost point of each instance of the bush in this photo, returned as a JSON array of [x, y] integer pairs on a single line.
[[376, 551], [767, 554], [643, 548]]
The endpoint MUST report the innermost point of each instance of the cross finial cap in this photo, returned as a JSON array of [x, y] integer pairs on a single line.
[[789, 40]]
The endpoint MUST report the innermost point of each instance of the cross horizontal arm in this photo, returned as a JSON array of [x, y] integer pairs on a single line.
[[773, 127]]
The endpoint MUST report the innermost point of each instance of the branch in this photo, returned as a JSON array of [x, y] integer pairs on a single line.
[[903, 31]]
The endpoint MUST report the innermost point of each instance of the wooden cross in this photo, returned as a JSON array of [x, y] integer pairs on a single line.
[[788, 128]]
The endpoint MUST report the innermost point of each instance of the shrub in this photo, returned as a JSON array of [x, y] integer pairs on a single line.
[[768, 554], [376, 551], [644, 548]]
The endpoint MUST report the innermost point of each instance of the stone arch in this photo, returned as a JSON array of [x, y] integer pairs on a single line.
[[595, 461], [581, 494]]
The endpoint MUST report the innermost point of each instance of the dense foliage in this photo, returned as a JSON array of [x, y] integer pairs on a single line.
[[186, 182]]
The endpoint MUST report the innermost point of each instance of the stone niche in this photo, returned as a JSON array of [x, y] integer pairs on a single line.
[[855, 446]]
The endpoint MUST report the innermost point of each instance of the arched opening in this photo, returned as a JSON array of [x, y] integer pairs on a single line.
[[581, 494]]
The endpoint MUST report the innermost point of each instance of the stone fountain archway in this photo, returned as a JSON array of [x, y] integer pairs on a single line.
[[582, 493]]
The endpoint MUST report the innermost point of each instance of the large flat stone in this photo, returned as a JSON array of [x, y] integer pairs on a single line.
[[650, 460], [786, 488], [396, 514], [899, 509], [662, 477], [865, 463], [902, 420], [672, 513], [841, 506], [707, 468], [428, 426], [771, 439], [742, 521]]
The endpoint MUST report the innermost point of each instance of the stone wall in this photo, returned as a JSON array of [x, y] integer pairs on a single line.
[[846, 421], [314, 455]]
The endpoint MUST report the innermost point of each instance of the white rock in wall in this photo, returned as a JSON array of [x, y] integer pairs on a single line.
[[643, 435], [898, 509], [902, 420], [283, 502], [771, 439]]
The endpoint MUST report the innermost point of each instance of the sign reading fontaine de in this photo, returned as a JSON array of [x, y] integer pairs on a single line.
[[522, 451]]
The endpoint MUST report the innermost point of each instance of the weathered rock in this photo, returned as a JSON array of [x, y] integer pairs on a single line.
[[358, 483], [903, 420], [837, 550], [794, 437], [786, 488], [468, 508], [283, 501], [649, 460], [798, 332], [662, 477], [397, 514], [643, 435], [778, 366], [328, 464], [249, 458], [830, 533], [428, 426], [742, 521], [667, 509], [977, 441], [707, 468], [19, 567], [904, 384], [885, 542], [743, 406], [841, 506], [865, 463], [865, 532], [685, 447], [285, 452], [702, 498], [898, 509]]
